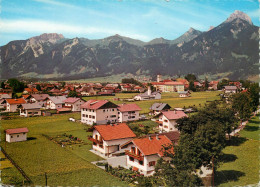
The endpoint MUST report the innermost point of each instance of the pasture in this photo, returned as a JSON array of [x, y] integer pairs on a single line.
[[64, 165], [241, 158], [197, 99]]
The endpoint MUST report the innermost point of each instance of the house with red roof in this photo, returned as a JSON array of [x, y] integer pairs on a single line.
[[16, 135], [143, 153], [55, 102], [107, 139], [12, 104], [99, 112], [128, 112], [30, 91], [167, 120], [73, 103]]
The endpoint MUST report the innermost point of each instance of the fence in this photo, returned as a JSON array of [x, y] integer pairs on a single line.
[[19, 169]]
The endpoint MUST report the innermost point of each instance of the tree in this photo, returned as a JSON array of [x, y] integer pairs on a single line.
[[191, 86], [72, 94], [38, 87], [16, 85], [241, 104], [254, 95], [3, 85], [190, 77]]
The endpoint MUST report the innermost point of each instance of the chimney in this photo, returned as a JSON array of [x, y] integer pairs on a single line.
[[150, 138], [157, 136], [149, 90]]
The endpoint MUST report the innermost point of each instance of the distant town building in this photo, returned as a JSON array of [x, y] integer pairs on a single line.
[[12, 104], [55, 102], [30, 109], [148, 95], [157, 108], [73, 103]]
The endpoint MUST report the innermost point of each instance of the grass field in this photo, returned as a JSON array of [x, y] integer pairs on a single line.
[[197, 98], [241, 163], [64, 166]]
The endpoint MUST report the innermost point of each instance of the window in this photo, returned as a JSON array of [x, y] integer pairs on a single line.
[[113, 109], [96, 137], [118, 112], [165, 120], [104, 110], [165, 126], [17, 136], [133, 112], [94, 143], [101, 146], [141, 162], [132, 149], [11, 136], [152, 163], [90, 116], [113, 116], [133, 116], [131, 158], [93, 117], [129, 112], [86, 116], [83, 115], [24, 133], [129, 117]]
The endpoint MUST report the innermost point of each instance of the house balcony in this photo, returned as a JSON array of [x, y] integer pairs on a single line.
[[90, 138], [138, 157]]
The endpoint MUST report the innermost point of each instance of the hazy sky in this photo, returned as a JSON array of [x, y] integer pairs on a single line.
[[95, 19]]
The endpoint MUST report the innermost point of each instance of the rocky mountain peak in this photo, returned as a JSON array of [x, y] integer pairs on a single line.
[[211, 27], [239, 15], [46, 37]]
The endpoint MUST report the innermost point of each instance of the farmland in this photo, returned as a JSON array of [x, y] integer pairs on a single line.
[[197, 98], [64, 166], [241, 163]]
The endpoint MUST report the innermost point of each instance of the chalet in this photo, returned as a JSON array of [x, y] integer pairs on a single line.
[[5, 96], [126, 88], [148, 95], [16, 135], [26, 97], [184, 94], [213, 85], [12, 104], [99, 112], [3, 101], [73, 103], [30, 91], [87, 91], [157, 108], [230, 89], [55, 102], [139, 89], [128, 112], [167, 120], [30, 109], [107, 139], [143, 153], [38, 97]]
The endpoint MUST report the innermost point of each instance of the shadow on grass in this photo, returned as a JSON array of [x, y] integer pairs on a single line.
[[236, 141], [228, 158], [251, 128], [31, 138], [227, 176]]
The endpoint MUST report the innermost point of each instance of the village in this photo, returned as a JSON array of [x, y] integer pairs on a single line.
[[126, 125]]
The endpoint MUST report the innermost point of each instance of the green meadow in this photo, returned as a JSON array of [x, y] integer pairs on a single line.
[[240, 165]]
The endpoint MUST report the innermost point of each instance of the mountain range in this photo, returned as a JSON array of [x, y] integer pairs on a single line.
[[230, 48]]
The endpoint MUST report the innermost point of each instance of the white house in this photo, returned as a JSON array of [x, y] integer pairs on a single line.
[[128, 112], [107, 139], [230, 89], [167, 120], [99, 112], [148, 95], [143, 153], [30, 109], [184, 94], [73, 103], [55, 102], [16, 135], [157, 108], [12, 104]]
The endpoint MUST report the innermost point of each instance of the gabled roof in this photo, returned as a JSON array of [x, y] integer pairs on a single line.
[[57, 99], [40, 97], [16, 131], [174, 114], [26, 96], [31, 106], [146, 94], [71, 100], [128, 107], [5, 96], [16, 101], [152, 146], [173, 135], [30, 89], [96, 104], [159, 106], [115, 131]]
